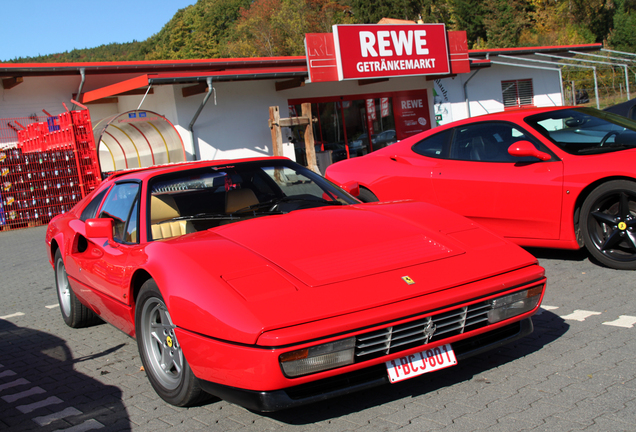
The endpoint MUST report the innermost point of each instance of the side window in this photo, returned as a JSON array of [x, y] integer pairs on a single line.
[[91, 209], [121, 206], [433, 146], [131, 228], [489, 142]]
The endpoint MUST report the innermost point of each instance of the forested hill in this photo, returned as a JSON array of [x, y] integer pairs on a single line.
[[263, 28]]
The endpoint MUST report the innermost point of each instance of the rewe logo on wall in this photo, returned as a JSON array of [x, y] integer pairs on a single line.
[[385, 51], [379, 51], [387, 42]]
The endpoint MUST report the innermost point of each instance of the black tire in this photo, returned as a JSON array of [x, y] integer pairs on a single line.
[[608, 224], [165, 365], [74, 313], [367, 196]]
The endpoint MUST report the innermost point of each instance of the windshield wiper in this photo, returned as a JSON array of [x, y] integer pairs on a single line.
[[273, 203], [202, 216]]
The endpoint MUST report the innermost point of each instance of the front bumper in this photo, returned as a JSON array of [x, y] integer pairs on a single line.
[[267, 401]]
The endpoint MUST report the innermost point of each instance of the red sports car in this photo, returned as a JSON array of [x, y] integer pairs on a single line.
[[545, 177], [260, 282]]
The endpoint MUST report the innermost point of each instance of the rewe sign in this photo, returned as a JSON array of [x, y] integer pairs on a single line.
[[380, 51]]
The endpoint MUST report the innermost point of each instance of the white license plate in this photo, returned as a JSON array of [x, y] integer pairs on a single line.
[[420, 363]]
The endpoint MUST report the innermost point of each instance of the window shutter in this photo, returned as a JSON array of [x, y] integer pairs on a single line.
[[517, 93]]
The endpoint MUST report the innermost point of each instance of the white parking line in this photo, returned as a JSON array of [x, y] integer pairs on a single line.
[[24, 409], [544, 308], [52, 306], [26, 393], [622, 321], [17, 382], [86, 426], [580, 315], [17, 314], [6, 373], [44, 420]]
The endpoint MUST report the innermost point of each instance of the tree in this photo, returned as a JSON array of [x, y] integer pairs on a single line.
[[197, 31], [277, 27], [623, 35], [468, 15], [372, 11], [505, 20]]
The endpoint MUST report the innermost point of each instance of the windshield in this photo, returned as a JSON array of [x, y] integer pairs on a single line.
[[583, 131], [218, 195]]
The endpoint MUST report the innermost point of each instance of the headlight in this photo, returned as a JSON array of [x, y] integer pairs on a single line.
[[318, 358], [514, 304]]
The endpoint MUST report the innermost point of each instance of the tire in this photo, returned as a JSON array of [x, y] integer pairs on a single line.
[[367, 196], [74, 313], [608, 224], [161, 355]]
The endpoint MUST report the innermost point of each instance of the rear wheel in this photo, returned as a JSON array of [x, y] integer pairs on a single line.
[[165, 365], [367, 196], [608, 224], [74, 313]]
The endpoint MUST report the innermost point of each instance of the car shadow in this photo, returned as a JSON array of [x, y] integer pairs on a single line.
[[41, 390], [548, 327], [560, 254], [579, 255]]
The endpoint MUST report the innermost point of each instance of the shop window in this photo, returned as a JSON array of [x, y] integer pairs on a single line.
[[351, 126], [347, 128], [517, 93]]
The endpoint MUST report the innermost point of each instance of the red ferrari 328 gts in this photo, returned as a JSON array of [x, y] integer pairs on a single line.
[[261, 283], [544, 177]]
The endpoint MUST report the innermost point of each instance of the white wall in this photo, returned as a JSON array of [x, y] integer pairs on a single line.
[[35, 94], [483, 89], [234, 123], [237, 125]]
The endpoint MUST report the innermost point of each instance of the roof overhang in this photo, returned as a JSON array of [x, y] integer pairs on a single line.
[[480, 53], [155, 66], [146, 80]]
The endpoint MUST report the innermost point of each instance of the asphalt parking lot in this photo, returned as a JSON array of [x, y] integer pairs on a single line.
[[577, 371]]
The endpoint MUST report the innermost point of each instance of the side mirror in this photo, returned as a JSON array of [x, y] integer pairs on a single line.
[[525, 148], [352, 187], [100, 228]]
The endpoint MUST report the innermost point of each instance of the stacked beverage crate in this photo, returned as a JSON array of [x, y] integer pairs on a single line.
[[53, 166]]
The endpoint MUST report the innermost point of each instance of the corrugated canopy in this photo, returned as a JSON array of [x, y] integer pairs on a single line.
[[137, 139]]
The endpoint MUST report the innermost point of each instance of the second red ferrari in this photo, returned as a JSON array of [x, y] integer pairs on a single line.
[[545, 177]]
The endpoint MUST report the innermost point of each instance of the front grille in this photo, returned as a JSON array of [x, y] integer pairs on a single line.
[[419, 332]]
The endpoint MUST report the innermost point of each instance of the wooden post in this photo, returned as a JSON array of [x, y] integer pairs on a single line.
[[309, 139], [274, 124]]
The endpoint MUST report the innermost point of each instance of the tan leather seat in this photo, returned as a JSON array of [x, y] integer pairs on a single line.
[[238, 199], [162, 210]]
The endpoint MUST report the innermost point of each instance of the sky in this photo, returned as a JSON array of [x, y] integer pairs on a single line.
[[29, 28]]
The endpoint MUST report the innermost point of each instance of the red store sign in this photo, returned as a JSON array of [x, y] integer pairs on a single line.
[[411, 113], [381, 51]]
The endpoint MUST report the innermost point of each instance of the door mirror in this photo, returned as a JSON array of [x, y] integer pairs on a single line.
[[100, 228], [525, 148], [352, 187]]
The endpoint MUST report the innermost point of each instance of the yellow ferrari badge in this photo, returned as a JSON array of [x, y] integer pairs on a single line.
[[408, 280]]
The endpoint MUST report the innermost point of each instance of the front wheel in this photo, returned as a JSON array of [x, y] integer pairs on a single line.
[[164, 363], [608, 224], [74, 313], [367, 196]]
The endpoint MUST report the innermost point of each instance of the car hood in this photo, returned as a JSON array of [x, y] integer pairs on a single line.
[[328, 245], [313, 264]]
